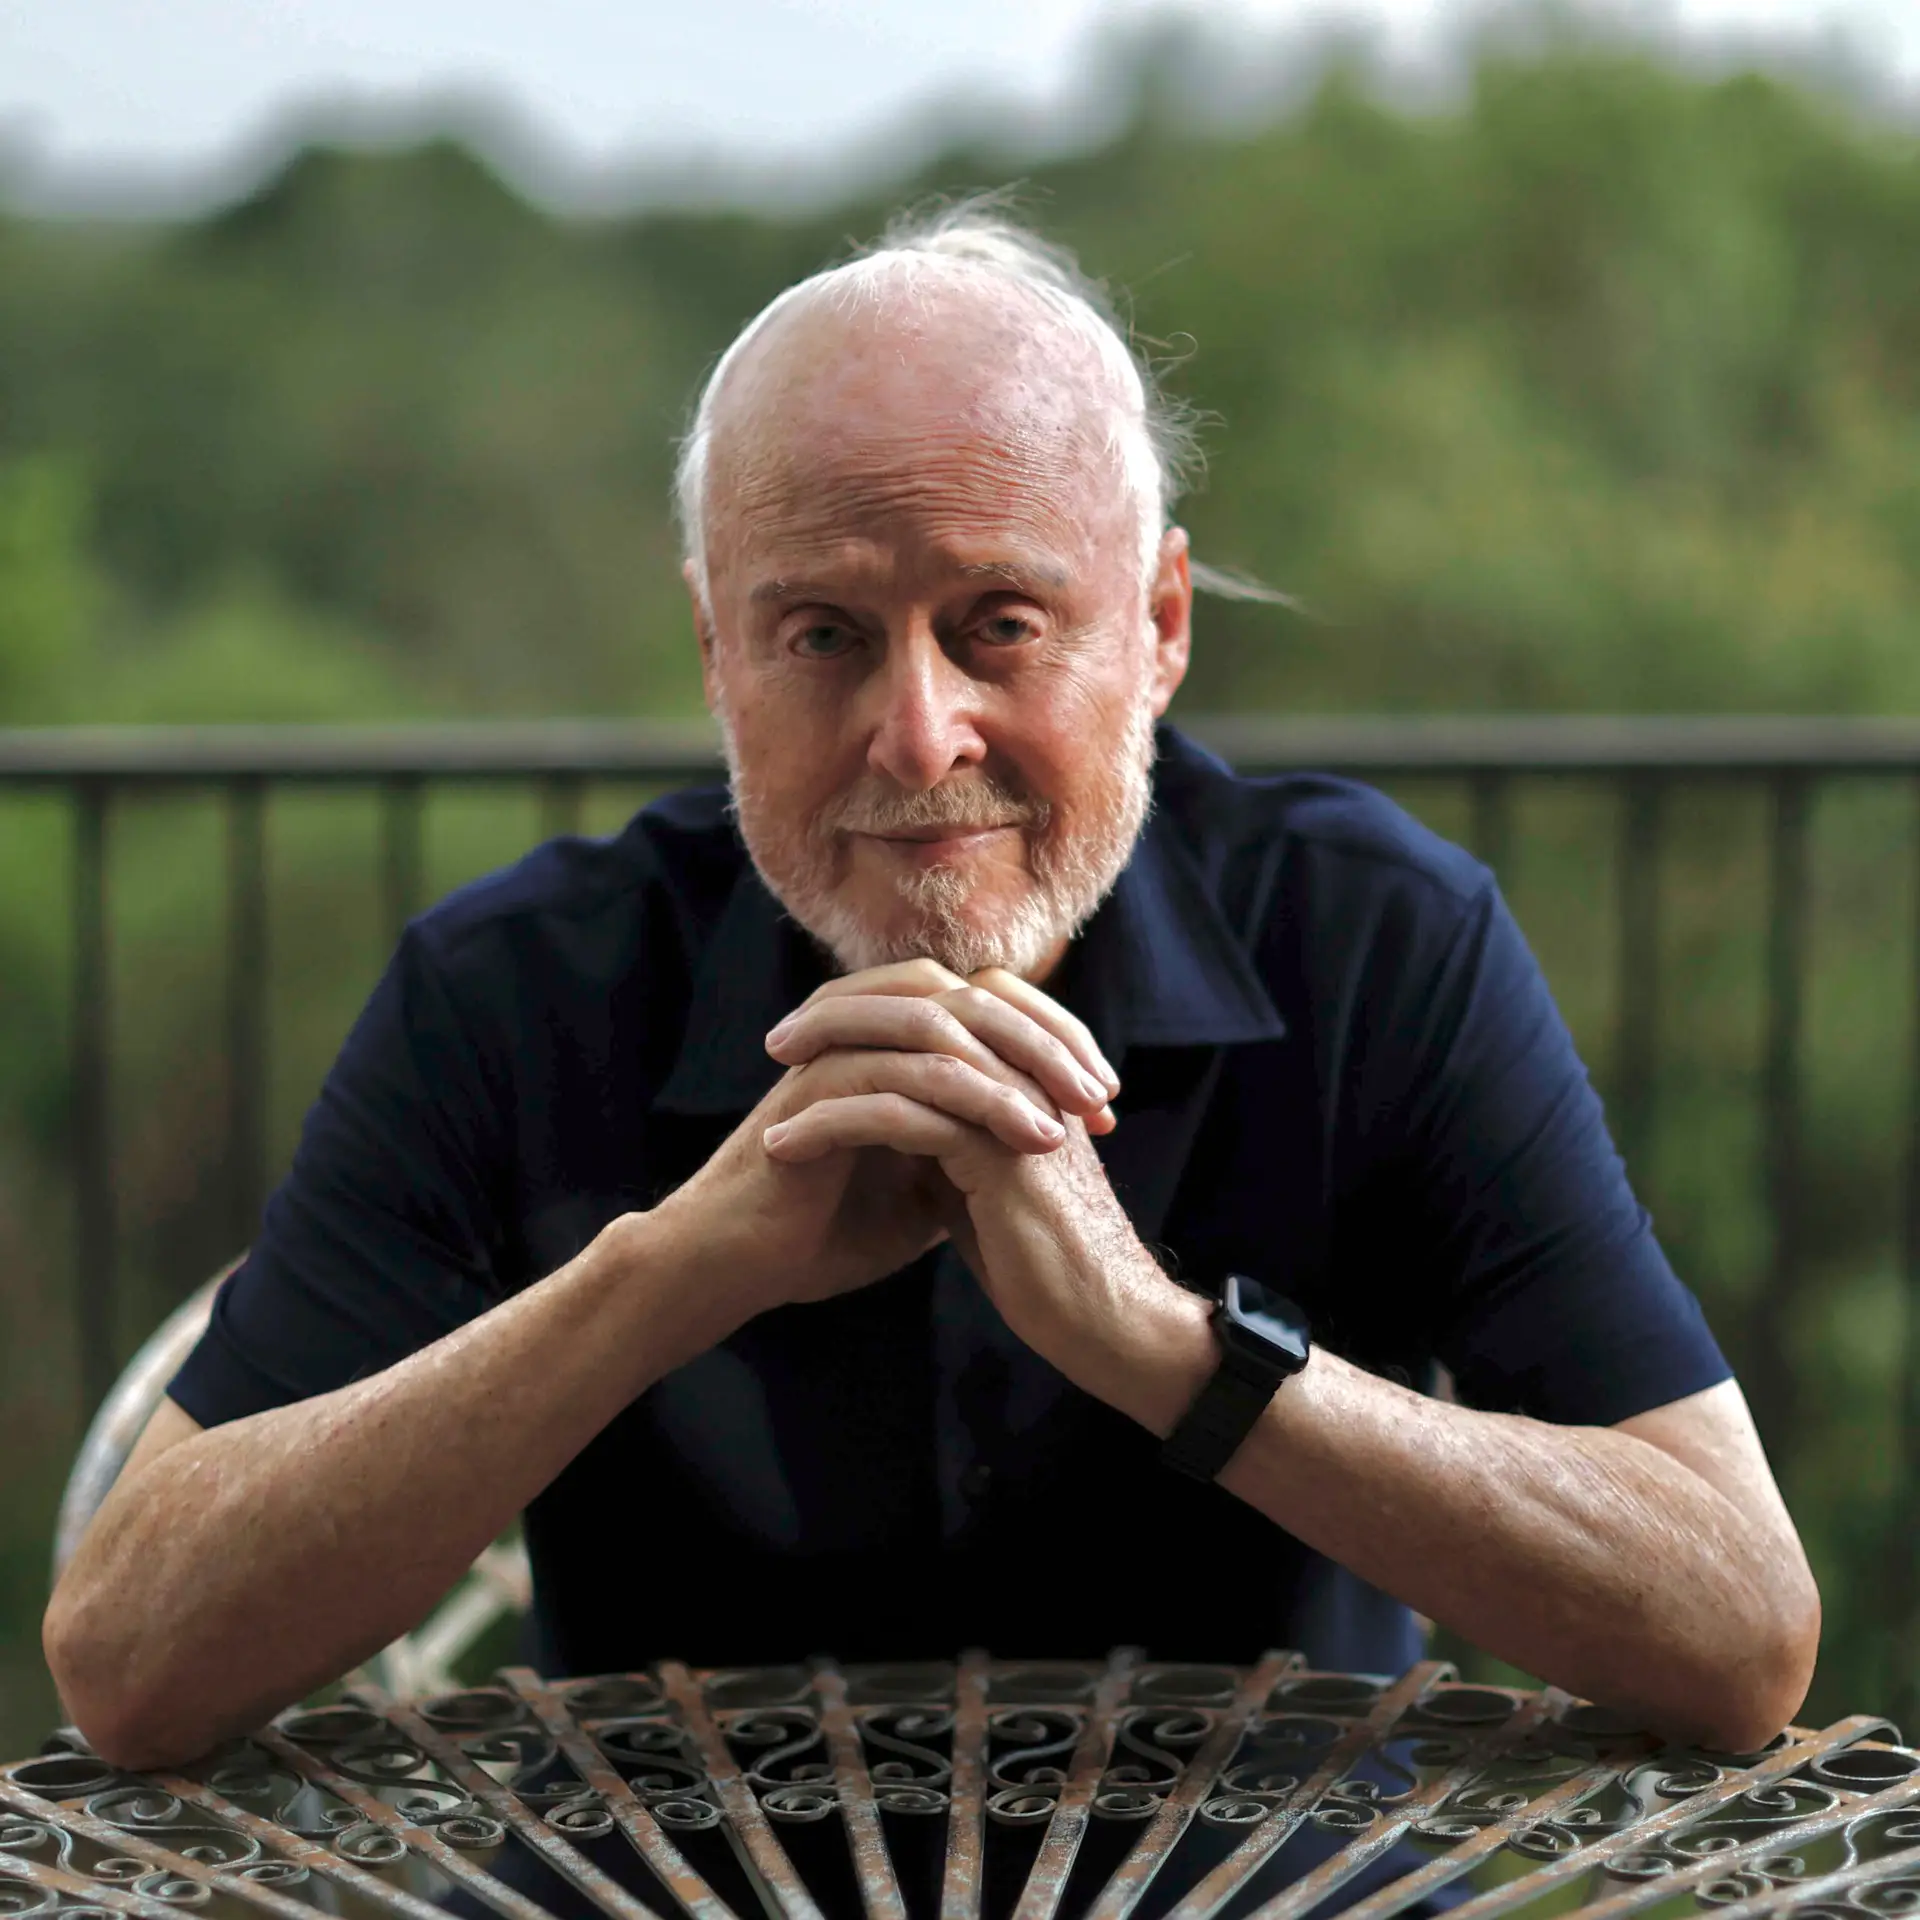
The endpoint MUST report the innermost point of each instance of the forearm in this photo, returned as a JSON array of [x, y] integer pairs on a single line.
[[255, 1561], [1582, 1554]]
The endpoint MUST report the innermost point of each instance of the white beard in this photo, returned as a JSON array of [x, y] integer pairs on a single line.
[[1071, 876]]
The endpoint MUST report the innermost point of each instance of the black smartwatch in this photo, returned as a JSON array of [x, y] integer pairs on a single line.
[[1263, 1343]]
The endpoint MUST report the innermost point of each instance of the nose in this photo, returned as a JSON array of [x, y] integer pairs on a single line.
[[924, 714]]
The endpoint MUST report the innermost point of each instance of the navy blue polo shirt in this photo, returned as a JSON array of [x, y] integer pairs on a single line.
[[1343, 1074]]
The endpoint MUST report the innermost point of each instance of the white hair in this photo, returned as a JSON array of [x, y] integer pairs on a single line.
[[1152, 438]]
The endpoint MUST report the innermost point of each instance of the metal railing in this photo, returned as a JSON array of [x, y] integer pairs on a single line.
[[1644, 761]]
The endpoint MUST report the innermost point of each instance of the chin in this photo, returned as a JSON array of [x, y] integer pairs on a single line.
[[963, 938]]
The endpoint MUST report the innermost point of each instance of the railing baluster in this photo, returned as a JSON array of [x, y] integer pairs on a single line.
[[1636, 1056], [1903, 1539], [1490, 823], [96, 1248], [561, 798], [246, 1005], [1770, 1367], [400, 837]]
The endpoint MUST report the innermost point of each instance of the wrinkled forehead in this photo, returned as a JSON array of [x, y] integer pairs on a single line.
[[939, 398]]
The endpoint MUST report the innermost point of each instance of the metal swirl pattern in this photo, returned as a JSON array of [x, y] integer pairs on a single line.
[[969, 1790]]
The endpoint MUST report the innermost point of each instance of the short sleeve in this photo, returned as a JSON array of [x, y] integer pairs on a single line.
[[1542, 1283], [383, 1236]]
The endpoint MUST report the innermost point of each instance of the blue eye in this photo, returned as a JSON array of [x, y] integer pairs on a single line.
[[822, 642], [1006, 629]]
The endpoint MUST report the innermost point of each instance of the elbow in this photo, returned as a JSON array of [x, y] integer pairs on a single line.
[[1751, 1684], [128, 1724]]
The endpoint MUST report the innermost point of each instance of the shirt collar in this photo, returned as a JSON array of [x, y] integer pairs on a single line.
[[1159, 965]]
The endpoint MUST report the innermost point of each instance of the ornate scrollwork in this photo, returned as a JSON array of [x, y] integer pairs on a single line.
[[36, 1838], [783, 1755], [1028, 1748], [363, 1747], [658, 1761], [1279, 1751], [494, 1728], [20, 1897], [909, 1775], [581, 1777], [167, 1819]]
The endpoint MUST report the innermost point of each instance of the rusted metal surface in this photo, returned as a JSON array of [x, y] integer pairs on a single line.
[[110, 1836], [880, 1894], [1195, 1714], [1358, 1717], [972, 1790], [773, 1724], [1073, 1801], [631, 1716], [540, 1800], [29, 1886], [426, 1837], [960, 1888]]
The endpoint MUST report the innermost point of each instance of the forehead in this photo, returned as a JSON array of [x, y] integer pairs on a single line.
[[967, 501], [947, 432]]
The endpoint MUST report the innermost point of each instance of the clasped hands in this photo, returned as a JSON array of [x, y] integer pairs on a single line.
[[919, 1106]]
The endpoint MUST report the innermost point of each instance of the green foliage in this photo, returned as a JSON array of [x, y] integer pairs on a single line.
[[1599, 389], [49, 592]]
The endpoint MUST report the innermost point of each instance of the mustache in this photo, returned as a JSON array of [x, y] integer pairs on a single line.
[[968, 807]]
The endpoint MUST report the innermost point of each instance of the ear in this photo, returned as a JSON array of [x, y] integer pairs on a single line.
[[702, 628], [1170, 608]]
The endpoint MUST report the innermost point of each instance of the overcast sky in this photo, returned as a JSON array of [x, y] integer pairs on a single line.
[[175, 97]]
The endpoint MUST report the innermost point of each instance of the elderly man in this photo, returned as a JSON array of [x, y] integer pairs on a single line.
[[1001, 1178]]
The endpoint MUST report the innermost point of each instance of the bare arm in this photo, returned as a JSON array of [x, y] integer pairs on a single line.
[[234, 1569], [1650, 1566]]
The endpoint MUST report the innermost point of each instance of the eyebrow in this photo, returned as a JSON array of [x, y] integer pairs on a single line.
[[1020, 574]]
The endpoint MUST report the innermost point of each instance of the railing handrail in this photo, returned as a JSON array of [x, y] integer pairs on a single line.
[[1692, 745]]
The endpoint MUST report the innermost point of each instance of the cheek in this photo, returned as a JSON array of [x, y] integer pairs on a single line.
[[776, 734], [1073, 732]]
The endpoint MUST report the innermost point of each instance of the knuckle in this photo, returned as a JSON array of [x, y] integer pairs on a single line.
[[929, 973], [927, 1018], [975, 1001], [948, 1071]]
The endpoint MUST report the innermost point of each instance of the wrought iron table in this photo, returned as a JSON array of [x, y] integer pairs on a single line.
[[969, 1790]]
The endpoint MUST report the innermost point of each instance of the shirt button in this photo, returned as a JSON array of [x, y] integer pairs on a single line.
[[976, 1480]]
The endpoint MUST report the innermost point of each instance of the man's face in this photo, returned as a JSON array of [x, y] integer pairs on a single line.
[[929, 642]]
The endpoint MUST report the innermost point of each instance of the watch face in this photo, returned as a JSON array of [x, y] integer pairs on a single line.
[[1262, 1324]]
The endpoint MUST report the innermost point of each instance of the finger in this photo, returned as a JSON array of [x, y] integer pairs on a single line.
[[1050, 1014], [971, 1025], [913, 978], [935, 1080], [889, 1120]]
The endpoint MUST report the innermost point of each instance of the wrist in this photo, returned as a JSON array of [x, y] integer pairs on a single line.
[[1149, 1349], [692, 1295]]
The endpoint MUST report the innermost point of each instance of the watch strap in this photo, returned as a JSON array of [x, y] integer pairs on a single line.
[[1222, 1415]]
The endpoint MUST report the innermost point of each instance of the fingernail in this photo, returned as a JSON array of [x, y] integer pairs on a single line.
[[774, 1134], [1050, 1127], [776, 1034], [1093, 1089]]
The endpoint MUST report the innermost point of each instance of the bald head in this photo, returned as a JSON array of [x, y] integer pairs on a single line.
[[856, 395], [966, 330]]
